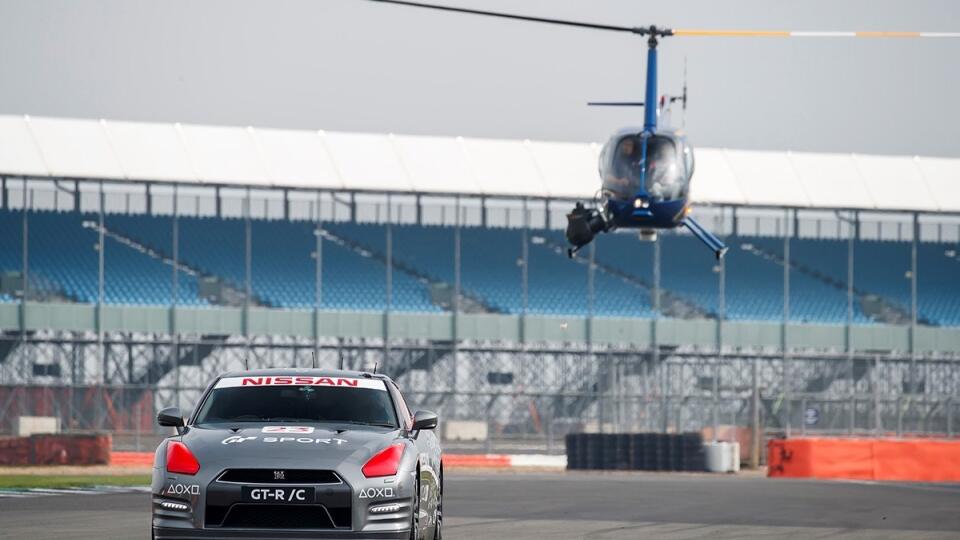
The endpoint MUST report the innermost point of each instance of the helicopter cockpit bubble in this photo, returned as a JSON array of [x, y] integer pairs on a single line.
[[665, 173]]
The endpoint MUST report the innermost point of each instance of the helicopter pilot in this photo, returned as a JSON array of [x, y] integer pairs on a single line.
[[625, 176], [661, 171]]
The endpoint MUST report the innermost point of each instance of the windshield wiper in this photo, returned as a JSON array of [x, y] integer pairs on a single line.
[[251, 418], [359, 423]]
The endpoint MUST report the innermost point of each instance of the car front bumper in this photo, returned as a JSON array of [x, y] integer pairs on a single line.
[[162, 533]]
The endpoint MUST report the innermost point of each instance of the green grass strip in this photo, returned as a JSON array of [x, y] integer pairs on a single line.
[[24, 481]]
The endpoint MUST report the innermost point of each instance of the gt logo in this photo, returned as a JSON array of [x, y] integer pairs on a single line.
[[236, 439], [376, 493], [183, 489]]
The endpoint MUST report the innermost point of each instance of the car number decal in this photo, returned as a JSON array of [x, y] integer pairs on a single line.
[[287, 429]]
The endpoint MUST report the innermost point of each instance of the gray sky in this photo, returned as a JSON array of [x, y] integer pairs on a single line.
[[359, 66]]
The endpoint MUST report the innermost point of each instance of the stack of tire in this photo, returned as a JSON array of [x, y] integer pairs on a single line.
[[635, 451]]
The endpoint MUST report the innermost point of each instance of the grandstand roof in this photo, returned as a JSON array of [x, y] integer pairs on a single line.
[[101, 149]]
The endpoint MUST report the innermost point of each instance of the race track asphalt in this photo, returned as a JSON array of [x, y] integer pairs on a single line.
[[586, 505]]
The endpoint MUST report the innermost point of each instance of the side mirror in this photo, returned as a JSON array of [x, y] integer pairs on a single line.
[[424, 420], [170, 417]]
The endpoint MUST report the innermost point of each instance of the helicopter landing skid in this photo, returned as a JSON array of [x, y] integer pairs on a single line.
[[705, 236]]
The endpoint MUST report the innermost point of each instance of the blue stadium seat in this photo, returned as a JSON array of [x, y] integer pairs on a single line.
[[64, 262], [491, 269], [937, 290]]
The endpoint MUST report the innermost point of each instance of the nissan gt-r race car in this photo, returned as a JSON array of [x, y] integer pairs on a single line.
[[287, 453]]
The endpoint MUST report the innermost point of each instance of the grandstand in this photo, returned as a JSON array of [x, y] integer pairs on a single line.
[[138, 262], [141, 258]]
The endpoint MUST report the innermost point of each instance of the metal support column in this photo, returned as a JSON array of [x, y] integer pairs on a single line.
[[754, 415], [524, 272], [655, 352], [721, 314], [915, 238], [848, 335], [591, 269], [24, 263], [388, 285], [318, 278], [100, 283], [913, 307], [877, 411], [949, 417], [788, 410], [455, 319], [24, 287], [591, 294], [174, 293], [247, 277], [101, 351]]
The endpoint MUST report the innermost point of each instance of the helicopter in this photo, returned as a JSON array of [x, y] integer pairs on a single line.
[[646, 171]]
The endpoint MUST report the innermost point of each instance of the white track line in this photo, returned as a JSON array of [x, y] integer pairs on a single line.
[[18, 494], [43, 492]]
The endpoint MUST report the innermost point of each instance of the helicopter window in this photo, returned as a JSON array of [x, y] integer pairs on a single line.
[[666, 174], [623, 168]]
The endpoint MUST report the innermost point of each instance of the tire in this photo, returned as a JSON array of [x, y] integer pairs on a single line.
[[415, 517], [438, 522]]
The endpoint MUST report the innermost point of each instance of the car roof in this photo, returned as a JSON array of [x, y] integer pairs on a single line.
[[308, 372]]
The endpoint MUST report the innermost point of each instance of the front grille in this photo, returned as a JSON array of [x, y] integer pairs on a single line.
[[269, 476], [276, 516], [329, 509]]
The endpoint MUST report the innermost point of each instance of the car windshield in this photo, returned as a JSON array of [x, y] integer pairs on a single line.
[[299, 399]]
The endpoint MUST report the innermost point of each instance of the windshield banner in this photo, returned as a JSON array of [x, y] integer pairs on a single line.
[[301, 380]]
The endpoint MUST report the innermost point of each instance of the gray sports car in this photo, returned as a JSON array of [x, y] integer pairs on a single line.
[[299, 453]]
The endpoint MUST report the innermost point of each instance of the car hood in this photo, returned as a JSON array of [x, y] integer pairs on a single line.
[[287, 446]]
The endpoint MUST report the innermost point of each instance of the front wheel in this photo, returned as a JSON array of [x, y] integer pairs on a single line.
[[438, 517], [415, 518]]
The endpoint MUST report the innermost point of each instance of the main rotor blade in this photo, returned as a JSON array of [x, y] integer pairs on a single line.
[[689, 32], [784, 33], [562, 22], [615, 103]]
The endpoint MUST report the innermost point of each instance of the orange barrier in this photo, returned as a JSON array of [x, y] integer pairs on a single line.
[[131, 459], [911, 460], [451, 461]]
